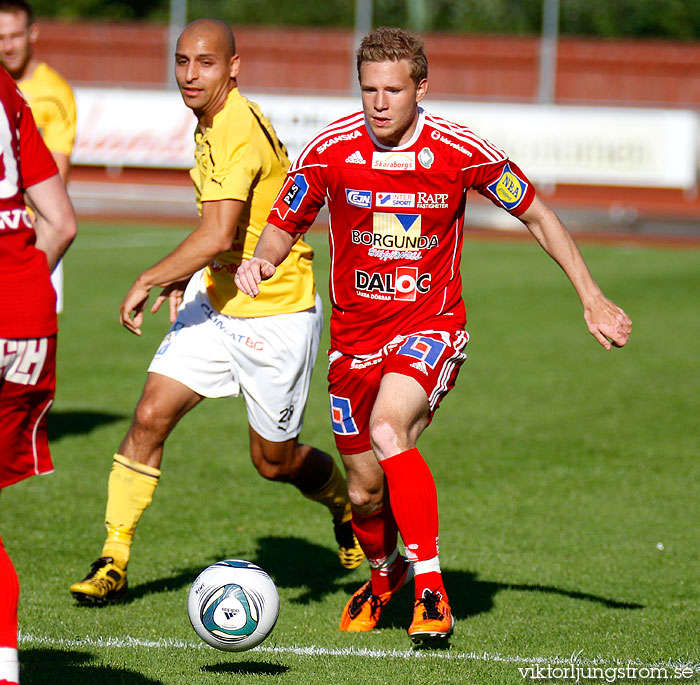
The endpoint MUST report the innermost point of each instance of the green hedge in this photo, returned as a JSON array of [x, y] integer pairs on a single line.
[[669, 19]]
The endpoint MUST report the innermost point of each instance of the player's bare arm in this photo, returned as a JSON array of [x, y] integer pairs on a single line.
[[63, 163], [606, 322], [272, 249], [55, 223], [214, 235]]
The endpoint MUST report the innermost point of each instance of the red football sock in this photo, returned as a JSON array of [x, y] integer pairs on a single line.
[[9, 595], [413, 500], [378, 535]]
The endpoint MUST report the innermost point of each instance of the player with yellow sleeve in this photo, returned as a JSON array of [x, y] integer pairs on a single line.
[[52, 102], [250, 163], [222, 344], [48, 94]]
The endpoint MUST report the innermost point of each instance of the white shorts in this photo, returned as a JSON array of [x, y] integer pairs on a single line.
[[269, 359]]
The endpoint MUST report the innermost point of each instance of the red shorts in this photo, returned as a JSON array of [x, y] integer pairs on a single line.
[[27, 385], [433, 358]]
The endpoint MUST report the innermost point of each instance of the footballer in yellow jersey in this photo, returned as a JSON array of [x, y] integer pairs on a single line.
[[49, 95], [220, 344], [239, 157], [51, 100]]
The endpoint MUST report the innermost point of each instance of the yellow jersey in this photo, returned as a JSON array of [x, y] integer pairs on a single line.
[[51, 100], [240, 158]]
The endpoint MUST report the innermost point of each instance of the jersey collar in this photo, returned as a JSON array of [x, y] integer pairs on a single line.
[[233, 95], [414, 137]]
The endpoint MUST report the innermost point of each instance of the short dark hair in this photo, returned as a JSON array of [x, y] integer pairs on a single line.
[[392, 45], [18, 6]]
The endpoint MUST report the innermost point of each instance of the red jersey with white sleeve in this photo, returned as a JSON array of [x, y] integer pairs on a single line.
[[396, 220], [28, 308]]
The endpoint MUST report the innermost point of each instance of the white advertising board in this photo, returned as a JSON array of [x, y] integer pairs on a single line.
[[138, 128], [589, 145], [552, 144]]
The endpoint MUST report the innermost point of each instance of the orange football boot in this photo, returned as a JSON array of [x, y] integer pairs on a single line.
[[432, 618], [363, 610]]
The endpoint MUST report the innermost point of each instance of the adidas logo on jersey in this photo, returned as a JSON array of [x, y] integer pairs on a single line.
[[420, 366], [355, 158]]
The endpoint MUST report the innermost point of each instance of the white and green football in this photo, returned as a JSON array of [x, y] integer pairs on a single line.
[[233, 605]]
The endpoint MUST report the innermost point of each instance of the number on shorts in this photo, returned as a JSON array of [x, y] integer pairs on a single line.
[[285, 416]]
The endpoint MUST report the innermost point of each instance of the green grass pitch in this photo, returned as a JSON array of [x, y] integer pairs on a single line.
[[567, 480]]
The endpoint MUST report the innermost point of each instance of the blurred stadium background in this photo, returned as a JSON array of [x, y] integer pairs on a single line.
[[599, 102]]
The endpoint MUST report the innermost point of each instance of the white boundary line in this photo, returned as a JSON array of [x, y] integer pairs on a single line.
[[312, 651]]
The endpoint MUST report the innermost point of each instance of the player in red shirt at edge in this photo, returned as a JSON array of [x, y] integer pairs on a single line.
[[395, 178], [28, 326]]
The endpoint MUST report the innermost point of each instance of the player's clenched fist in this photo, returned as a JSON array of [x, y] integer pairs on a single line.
[[608, 324], [250, 273]]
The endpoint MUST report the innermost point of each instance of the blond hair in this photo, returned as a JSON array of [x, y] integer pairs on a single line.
[[392, 45]]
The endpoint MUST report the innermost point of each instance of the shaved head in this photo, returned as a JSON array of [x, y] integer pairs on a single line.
[[206, 67], [215, 33]]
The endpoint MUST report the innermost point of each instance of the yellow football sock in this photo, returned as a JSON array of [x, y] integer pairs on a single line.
[[130, 490], [334, 495]]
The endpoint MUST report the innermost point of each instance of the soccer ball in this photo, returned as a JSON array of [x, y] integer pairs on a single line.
[[233, 605]]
